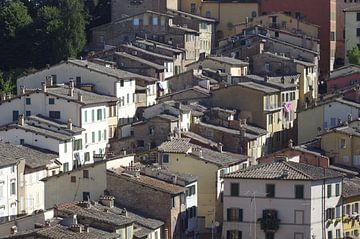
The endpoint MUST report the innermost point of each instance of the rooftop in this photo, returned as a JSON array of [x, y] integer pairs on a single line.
[[191, 15], [153, 54], [282, 170], [352, 9], [228, 60], [93, 212], [181, 179], [280, 82], [259, 87], [88, 98], [147, 181], [11, 154], [141, 60], [351, 187], [161, 45], [344, 71], [183, 145]]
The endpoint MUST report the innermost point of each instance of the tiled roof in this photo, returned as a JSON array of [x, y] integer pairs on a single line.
[[168, 117], [161, 45], [183, 145], [182, 179], [171, 11], [43, 120], [149, 182], [88, 98], [183, 29], [259, 87], [62, 232], [95, 213], [141, 60], [351, 187], [352, 9], [280, 82], [10, 154], [155, 55], [228, 60], [282, 170], [344, 71]]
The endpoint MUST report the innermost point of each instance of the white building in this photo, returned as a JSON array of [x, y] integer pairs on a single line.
[[79, 108], [99, 78], [21, 168], [283, 200], [352, 29]]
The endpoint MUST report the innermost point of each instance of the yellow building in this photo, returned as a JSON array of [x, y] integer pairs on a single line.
[[342, 144], [179, 155], [226, 12], [280, 21], [351, 201]]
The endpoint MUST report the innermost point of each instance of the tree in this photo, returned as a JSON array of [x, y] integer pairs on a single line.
[[354, 56], [7, 86], [14, 30]]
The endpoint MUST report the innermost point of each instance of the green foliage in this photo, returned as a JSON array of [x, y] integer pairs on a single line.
[[7, 86], [354, 56]]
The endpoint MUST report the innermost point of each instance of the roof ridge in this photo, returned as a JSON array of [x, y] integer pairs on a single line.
[[297, 170]]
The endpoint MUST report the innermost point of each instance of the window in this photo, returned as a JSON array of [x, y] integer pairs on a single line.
[[15, 115], [87, 156], [337, 189], [13, 188], [342, 143], [86, 196], [299, 191], [86, 138], [165, 158], [66, 167], [73, 179], [330, 236], [358, 16], [93, 137], [128, 98], [297, 15], [270, 190], [140, 143], [193, 7], [121, 83], [190, 191], [173, 202], [332, 36], [65, 147], [330, 213], [92, 115], [136, 21], [51, 101], [54, 114], [28, 113], [233, 234], [337, 212], [329, 190], [85, 173], [253, 14], [358, 32], [105, 135], [207, 14], [99, 114], [276, 34], [22, 141], [13, 169], [78, 80], [269, 235], [99, 135], [338, 233], [234, 215], [85, 116], [234, 189], [104, 113], [77, 144], [28, 101], [1, 190], [155, 21]]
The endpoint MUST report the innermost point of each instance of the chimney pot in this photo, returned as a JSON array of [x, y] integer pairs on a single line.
[[13, 230], [80, 97], [21, 120], [22, 90], [71, 88], [43, 86], [69, 124]]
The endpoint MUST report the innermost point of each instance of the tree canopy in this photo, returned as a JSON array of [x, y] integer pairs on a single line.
[[354, 56]]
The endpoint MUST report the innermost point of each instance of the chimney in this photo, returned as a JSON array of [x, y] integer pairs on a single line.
[[78, 228], [132, 170], [80, 97], [166, 233], [124, 212], [22, 90], [71, 88], [43, 86], [174, 179], [291, 144], [177, 105], [266, 78], [107, 201], [21, 120], [13, 230], [242, 131], [3, 97], [49, 81], [220, 147], [86, 229], [84, 204], [349, 118], [69, 124], [198, 152]]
